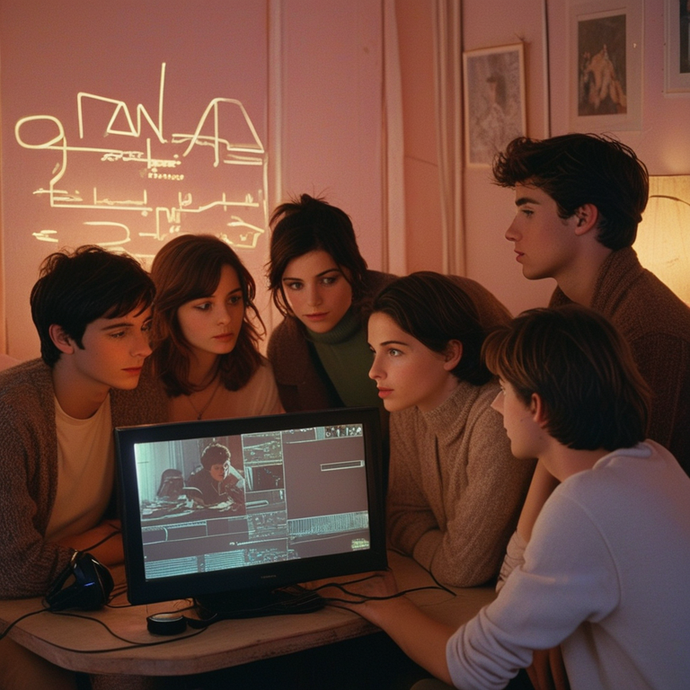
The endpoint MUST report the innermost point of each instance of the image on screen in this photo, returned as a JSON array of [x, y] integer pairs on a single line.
[[219, 503]]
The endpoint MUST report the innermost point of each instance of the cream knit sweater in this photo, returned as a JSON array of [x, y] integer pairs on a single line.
[[455, 489]]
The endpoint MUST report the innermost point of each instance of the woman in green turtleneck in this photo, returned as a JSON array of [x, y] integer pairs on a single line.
[[321, 285]]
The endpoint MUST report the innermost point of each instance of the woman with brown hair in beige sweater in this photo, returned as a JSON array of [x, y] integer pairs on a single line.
[[455, 490]]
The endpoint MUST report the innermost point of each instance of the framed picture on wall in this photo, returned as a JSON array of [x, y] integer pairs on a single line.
[[605, 65], [494, 81], [677, 67]]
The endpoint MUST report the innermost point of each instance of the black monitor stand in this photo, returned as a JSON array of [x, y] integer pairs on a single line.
[[254, 603]]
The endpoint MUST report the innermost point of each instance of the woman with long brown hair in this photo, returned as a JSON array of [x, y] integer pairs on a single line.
[[206, 331]]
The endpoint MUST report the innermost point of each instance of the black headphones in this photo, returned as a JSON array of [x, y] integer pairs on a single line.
[[90, 590]]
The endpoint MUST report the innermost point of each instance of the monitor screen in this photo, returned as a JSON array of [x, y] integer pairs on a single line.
[[225, 507]]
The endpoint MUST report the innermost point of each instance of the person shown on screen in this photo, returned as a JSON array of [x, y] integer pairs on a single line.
[[604, 573], [206, 331], [92, 310], [218, 480], [455, 490], [321, 285]]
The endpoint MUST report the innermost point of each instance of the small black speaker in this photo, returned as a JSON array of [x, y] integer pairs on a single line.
[[90, 589]]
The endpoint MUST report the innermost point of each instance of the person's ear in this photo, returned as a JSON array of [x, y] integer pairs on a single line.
[[537, 410], [61, 340], [587, 218], [452, 355]]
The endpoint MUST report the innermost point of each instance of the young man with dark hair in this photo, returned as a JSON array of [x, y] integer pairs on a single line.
[[579, 200], [92, 310], [218, 480], [604, 572]]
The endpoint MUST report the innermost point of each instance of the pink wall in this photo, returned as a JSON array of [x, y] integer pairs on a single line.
[[308, 73], [489, 209], [331, 118], [100, 110], [422, 193]]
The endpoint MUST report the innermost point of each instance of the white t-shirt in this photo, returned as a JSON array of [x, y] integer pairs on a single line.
[[86, 471], [605, 574]]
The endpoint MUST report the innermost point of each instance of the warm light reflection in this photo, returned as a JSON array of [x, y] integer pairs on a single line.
[[663, 236]]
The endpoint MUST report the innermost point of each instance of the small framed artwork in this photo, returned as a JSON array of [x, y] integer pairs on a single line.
[[677, 67], [494, 90], [605, 65]]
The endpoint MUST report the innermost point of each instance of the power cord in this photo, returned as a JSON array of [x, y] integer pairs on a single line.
[[19, 620], [131, 644], [105, 539], [362, 599], [427, 571]]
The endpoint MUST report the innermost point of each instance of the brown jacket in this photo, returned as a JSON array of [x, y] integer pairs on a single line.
[[656, 324]]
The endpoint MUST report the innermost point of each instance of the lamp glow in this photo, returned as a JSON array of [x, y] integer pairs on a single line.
[[663, 236]]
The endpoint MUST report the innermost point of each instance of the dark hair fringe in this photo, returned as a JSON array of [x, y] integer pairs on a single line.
[[75, 288], [577, 169], [583, 370], [306, 224], [435, 310], [214, 449]]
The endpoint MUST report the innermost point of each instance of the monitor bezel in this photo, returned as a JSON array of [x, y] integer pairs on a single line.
[[264, 577]]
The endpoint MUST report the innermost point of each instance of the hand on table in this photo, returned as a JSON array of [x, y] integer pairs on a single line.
[[375, 596], [357, 592]]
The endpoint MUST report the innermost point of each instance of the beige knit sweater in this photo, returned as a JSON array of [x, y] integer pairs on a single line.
[[455, 489]]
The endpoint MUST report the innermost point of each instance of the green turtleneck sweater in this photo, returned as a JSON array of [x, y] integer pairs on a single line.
[[346, 357]]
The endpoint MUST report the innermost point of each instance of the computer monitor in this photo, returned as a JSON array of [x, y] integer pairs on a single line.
[[228, 512]]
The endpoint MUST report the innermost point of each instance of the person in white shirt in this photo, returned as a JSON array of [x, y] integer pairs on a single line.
[[604, 572]]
